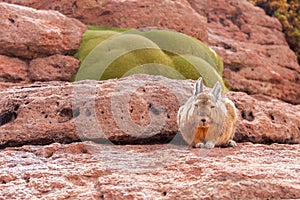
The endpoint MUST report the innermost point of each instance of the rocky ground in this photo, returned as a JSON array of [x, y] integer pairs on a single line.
[[43, 118], [93, 171]]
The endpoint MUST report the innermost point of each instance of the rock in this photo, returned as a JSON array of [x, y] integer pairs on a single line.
[[266, 120], [96, 171], [7, 85], [144, 111], [29, 33], [256, 55], [13, 70], [176, 15], [53, 68], [139, 109]]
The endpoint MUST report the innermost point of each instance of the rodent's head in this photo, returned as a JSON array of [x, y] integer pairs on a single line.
[[205, 102]]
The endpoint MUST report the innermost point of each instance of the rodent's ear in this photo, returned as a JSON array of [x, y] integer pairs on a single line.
[[217, 91], [198, 88]]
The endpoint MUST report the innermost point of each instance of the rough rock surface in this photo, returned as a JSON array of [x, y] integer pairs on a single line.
[[177, 15], [94, 171], [266, 120], [13, 70], [7, 85], [29, 33], [136, 109], [142, 109], [255, 52], [256, 55], [56, 67]]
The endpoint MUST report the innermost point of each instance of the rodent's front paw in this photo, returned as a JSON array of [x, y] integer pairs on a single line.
[[199, 145], [208, 145], [231, 143]]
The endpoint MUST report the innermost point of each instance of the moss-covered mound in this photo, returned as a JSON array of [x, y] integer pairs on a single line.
[[288, 13], [107, 53]]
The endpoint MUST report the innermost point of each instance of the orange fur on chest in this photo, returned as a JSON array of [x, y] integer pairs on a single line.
[[200, 135]]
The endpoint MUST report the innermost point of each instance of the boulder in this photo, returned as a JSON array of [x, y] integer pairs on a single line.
[[53, 68], [265, 120], [28, 33], [13, 70], [139, 109], [96, 171], [256, 56], [176, 15]]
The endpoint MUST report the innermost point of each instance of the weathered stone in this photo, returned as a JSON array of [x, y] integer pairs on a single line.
[[119, 110], [143, 109], [136, 109], [255, 52], [256, 55], [266, 120], [94, 171], [176, 15], [6, 85], [13, 70], [29, 33], [53, 68]]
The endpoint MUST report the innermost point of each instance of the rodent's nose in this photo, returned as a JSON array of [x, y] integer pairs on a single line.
[[203, 120]]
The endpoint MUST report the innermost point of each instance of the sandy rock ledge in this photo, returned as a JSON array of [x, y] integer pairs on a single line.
[[139, 109]]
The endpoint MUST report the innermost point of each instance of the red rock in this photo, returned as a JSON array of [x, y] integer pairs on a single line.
[[176, 15], [13, 70], [96, 171], [255, 52], [6, 85], [139, 109], [256, 55], [266, 120], [53, 68], [29, 33]]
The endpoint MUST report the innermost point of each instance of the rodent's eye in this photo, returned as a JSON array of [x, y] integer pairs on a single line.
[[196, 105], [212, 106]]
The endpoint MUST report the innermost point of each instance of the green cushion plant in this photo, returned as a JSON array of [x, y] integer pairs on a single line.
[[108, 52]]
